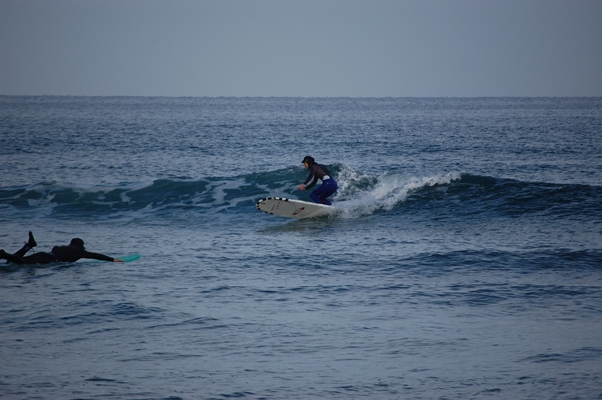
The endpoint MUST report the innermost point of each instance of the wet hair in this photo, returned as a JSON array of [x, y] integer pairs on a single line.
[[77, 242]]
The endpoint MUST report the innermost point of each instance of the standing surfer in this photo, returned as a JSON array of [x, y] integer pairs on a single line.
[[318, 171]]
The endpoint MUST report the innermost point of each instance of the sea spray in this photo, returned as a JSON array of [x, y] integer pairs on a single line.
[[362, 194]]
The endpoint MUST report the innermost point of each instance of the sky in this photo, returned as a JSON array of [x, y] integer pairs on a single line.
[[301, 48]]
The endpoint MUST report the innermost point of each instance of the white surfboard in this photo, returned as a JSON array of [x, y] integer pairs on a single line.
[[291, 208]]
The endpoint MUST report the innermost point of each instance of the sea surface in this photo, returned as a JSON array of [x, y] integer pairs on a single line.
[[463, 260]]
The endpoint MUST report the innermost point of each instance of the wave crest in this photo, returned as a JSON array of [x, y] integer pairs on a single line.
[[364, 194], [358, 195]]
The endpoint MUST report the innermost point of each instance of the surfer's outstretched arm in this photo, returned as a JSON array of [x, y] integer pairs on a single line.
[[98, 256]]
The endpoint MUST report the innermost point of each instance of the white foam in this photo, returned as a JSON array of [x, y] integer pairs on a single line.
[[361, 195]]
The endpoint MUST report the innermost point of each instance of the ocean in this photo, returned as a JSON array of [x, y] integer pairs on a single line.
[[463, 259]]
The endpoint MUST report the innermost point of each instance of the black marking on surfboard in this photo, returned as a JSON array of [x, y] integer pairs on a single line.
[[269, 198]]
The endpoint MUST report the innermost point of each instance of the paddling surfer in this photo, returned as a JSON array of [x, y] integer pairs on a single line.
[[71, 253], [319, 172]]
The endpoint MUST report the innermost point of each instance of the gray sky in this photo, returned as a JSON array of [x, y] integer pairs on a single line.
[[301, 47]]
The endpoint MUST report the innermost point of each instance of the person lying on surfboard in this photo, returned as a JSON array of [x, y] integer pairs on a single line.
[[317, 171], [71, 253]]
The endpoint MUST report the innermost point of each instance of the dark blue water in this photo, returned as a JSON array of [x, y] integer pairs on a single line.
[[464, 259]]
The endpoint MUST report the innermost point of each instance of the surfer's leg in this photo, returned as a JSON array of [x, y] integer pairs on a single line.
[[38, 258], [31, 243], [12, 258], [315, 196], [21, 252], [332, 187], [320, 196], [326, 189]]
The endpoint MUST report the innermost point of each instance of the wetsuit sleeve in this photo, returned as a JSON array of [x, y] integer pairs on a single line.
[[312, 174], [96, 256], [312, 184]]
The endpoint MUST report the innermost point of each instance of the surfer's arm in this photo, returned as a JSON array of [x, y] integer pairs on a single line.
[[302, 186], [312, 175], [98, 256], [311, 184]]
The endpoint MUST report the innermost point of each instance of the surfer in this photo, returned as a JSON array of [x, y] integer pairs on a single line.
[[318, 171], [71, 253]]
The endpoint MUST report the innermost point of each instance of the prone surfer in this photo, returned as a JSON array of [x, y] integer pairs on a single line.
[[71, 253], [318, 171]]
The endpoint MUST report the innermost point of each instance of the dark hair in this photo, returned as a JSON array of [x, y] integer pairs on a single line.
[[77, 242], [308, 159]]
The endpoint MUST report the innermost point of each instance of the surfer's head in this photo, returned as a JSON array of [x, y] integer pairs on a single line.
[[77, 242], [309, 160]]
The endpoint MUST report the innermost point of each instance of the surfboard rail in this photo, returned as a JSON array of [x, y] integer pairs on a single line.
[[291, 208]]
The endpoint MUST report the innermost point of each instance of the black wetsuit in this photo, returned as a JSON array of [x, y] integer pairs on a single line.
[[326, 189], [316, 171], [58, 254]]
